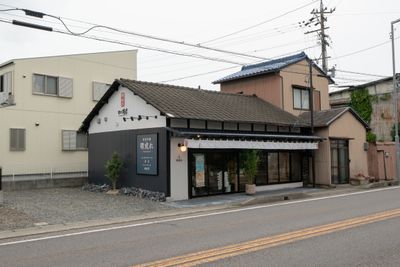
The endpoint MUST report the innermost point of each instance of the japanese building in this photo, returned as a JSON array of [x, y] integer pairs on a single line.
[[189, 142]]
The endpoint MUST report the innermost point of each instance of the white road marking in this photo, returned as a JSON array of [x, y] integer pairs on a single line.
[[193, 216]]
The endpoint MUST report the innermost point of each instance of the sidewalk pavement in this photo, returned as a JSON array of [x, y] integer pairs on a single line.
[[188, 207]]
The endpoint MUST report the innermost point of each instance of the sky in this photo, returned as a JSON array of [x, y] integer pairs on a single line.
[[272, 31]]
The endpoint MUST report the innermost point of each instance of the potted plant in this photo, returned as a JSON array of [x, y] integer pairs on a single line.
[[113, 169], [250, 165]]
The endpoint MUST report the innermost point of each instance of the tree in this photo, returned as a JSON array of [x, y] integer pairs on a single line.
[[113, 169]]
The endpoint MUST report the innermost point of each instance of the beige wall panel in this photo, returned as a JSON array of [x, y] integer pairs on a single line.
[[297, 74], [347, 126], [323, 158], [267, 87]]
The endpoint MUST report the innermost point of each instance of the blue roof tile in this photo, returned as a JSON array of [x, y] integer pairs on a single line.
[[264, 67]]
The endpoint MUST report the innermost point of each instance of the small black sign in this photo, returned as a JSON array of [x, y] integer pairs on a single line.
[[146, 154]]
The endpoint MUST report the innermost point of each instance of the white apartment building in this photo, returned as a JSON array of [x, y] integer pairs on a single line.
[[43, 102]]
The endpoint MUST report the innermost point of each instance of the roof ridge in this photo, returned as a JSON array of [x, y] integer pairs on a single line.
[[186, 88], [272, 61]]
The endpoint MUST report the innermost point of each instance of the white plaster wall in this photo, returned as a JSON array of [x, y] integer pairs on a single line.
[[179, 171], [110, 120]]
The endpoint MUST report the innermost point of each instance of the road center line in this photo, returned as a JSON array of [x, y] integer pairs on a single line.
[[193, 216], [215, 254]]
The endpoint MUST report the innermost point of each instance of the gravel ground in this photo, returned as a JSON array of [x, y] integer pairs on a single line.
[[65, 205]]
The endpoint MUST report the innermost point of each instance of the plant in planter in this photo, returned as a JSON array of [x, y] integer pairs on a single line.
[[250, 165], [113, 169]]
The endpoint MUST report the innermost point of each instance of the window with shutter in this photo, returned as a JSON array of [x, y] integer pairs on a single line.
[[99, 89], [17, 139], [51, 85], [65, 86]]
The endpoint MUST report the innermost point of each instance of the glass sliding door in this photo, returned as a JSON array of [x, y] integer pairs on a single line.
[[284, 167], [295, 167], [262, 173], [213, 172], [199, 181], [231, 181], [221, 171], [339, 161], [273, 168]]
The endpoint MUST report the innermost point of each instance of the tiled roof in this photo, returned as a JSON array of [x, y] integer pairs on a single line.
[[324, 118], [269, 67], [189, 103], [264, 67]]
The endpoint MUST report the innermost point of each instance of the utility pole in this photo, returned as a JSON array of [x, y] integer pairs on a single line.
[[395, 103], [319, 18], [311, 101]]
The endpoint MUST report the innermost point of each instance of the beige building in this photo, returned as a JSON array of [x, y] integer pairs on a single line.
[[43, 101], [284, 82]]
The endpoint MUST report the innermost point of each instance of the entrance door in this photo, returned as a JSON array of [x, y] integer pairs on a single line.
[[213, 172], [340, 161]]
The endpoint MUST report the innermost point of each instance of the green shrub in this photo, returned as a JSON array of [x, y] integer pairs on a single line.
[[361, 102], [371, 137], [113, 169]]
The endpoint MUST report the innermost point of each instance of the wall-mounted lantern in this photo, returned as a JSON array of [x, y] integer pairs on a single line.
[[182, 147]]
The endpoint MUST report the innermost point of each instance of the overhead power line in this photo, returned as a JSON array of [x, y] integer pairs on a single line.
[[260, 23], [197, 75], [361, 73], [41, 15], [102, 39], [223, 69], [365, 49]]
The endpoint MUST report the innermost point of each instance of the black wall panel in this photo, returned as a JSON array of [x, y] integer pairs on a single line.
[[102, 145]]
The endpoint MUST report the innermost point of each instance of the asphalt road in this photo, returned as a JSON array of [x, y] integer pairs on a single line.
[[368, 244]]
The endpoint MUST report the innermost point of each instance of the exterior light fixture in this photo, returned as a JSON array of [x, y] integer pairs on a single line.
[[132, 118], [124, 118], [139, 117], [182, 147]]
